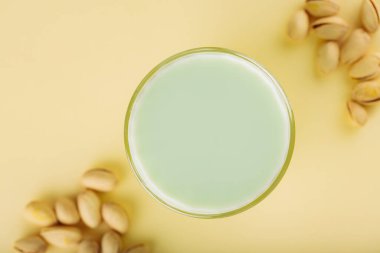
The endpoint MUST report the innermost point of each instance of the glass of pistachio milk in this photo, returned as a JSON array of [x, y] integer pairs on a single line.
[[209, 132]]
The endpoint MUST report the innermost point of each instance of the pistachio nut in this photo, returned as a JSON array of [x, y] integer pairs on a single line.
[[367, 68], [357, 113], [30, 244], [370, 15], [322, 8], [330, 28], [115, 217], [66, 211], [102, 180], [139, 248], [89, 208], [328, 57], [298, 26], [40, 213], [355, 46], [111, 242], [366, 92], [88, 246], [62, 236]]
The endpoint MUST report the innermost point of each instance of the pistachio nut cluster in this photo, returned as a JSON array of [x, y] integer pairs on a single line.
[[345, 45], [76, 222]]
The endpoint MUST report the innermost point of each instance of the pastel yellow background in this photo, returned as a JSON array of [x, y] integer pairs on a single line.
[[67, 72]]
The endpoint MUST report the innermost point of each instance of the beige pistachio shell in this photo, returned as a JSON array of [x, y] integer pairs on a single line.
[[139, 248], [40, 213], [62, 236], [357, 113], [370, 15], [298, 26], [322, 8], [88, 246], [66, 211], [101, 180], [89, 208], [110, 242], [30, 244], [367, 68], [355, 46], [330, 28], [328, 57], [115, 217], [366, 92]]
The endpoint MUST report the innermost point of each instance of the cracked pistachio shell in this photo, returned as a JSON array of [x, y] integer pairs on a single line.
[[62, 236], [322, 8], [101, 180], [115, 217], [355, 46], [89, 208], [328, 57], [66, 211], [31, 244], [40, 213], [330, 28], [366, 92], [370, 15], [357, 113], [367, 68], [110, 242], [298, 26]]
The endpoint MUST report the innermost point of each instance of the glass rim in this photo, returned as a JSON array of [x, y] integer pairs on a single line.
[[278, 89]]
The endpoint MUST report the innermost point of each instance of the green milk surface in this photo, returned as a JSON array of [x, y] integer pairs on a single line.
[[209, 133]]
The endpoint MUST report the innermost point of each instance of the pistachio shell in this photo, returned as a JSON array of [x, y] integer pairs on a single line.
[[298, 26], [111, 242], [139, 248], [370, 15], [355, 46], [366, 92], [366, 68], [102, 180], [30, 244], [328, 57], [89, 208], [62, 236], [115, 217], [88, 246], [322, 8], [357, 113], [40, 213], [330, 28], [66, 211]]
